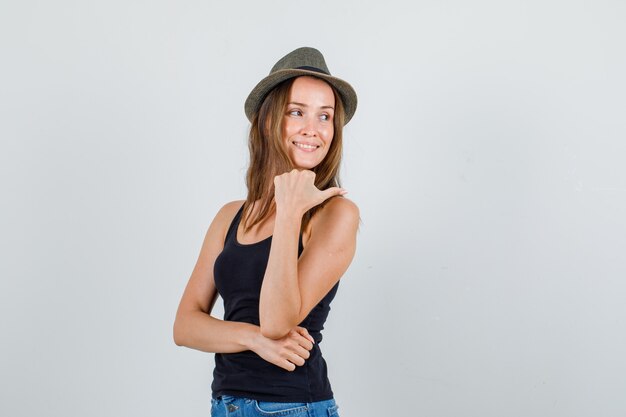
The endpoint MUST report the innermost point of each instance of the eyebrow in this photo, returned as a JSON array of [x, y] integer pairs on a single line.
[[304, 105]]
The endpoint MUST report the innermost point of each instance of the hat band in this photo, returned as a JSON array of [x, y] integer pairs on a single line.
[[306, 67]]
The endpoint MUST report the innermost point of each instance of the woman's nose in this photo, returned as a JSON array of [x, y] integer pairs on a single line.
[[309, 128]]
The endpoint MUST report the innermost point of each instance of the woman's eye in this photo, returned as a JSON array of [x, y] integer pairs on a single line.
[[295, 112], [325, 117]]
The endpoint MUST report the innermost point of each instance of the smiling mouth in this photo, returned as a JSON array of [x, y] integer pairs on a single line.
[[305, 146]]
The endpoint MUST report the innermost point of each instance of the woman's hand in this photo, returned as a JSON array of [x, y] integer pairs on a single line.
[[295, 192], [290, 351]]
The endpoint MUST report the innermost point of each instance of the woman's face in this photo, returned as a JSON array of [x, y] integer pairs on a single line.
[[308, 128]]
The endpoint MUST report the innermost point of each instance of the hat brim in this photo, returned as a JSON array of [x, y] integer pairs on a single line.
[[258, 93]]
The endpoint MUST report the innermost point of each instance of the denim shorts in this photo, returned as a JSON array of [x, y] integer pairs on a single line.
[[228, 406]]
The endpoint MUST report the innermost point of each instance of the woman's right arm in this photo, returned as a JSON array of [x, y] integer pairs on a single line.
[[195, 328]]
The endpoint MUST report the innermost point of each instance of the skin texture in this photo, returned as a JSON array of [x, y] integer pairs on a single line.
[[292, 286], [308, 121], [195, 328]]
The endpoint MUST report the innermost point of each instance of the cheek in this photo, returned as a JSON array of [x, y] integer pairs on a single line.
[[330, 134], [289, 129]]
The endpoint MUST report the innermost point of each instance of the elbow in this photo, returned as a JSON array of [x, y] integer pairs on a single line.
[[276, 324], [178, 341], [274, 331], [179, 333]]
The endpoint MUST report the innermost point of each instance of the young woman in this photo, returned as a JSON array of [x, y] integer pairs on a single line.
[[277, 257]]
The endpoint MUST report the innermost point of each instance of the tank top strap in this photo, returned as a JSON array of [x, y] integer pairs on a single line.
[[234, 224], [231, 234]]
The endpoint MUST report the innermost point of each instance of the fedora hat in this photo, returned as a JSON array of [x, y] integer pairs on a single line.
[[302, 61]]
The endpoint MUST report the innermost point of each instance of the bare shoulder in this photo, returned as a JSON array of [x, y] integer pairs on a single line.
[[225, 216], [339, 213], [342, 207], [230, 209]]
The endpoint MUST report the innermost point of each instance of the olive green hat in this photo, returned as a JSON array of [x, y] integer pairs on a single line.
[[302, 61]]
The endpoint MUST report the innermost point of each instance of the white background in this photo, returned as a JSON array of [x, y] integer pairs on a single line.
[[486, 155]]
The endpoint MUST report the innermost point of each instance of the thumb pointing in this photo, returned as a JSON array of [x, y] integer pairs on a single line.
[[333, 191]]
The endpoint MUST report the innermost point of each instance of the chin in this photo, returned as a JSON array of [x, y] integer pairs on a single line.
[[305, 164], [300, 163]]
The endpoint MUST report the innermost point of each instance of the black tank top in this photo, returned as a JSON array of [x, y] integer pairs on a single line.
[[238, 274]]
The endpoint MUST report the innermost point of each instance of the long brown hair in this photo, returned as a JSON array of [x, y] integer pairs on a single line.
[[268, 157]]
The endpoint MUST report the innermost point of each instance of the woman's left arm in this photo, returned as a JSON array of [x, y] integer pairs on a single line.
[[292, 286]]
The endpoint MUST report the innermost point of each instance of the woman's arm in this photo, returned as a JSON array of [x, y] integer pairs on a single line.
[[195, 328], [291, 286]]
